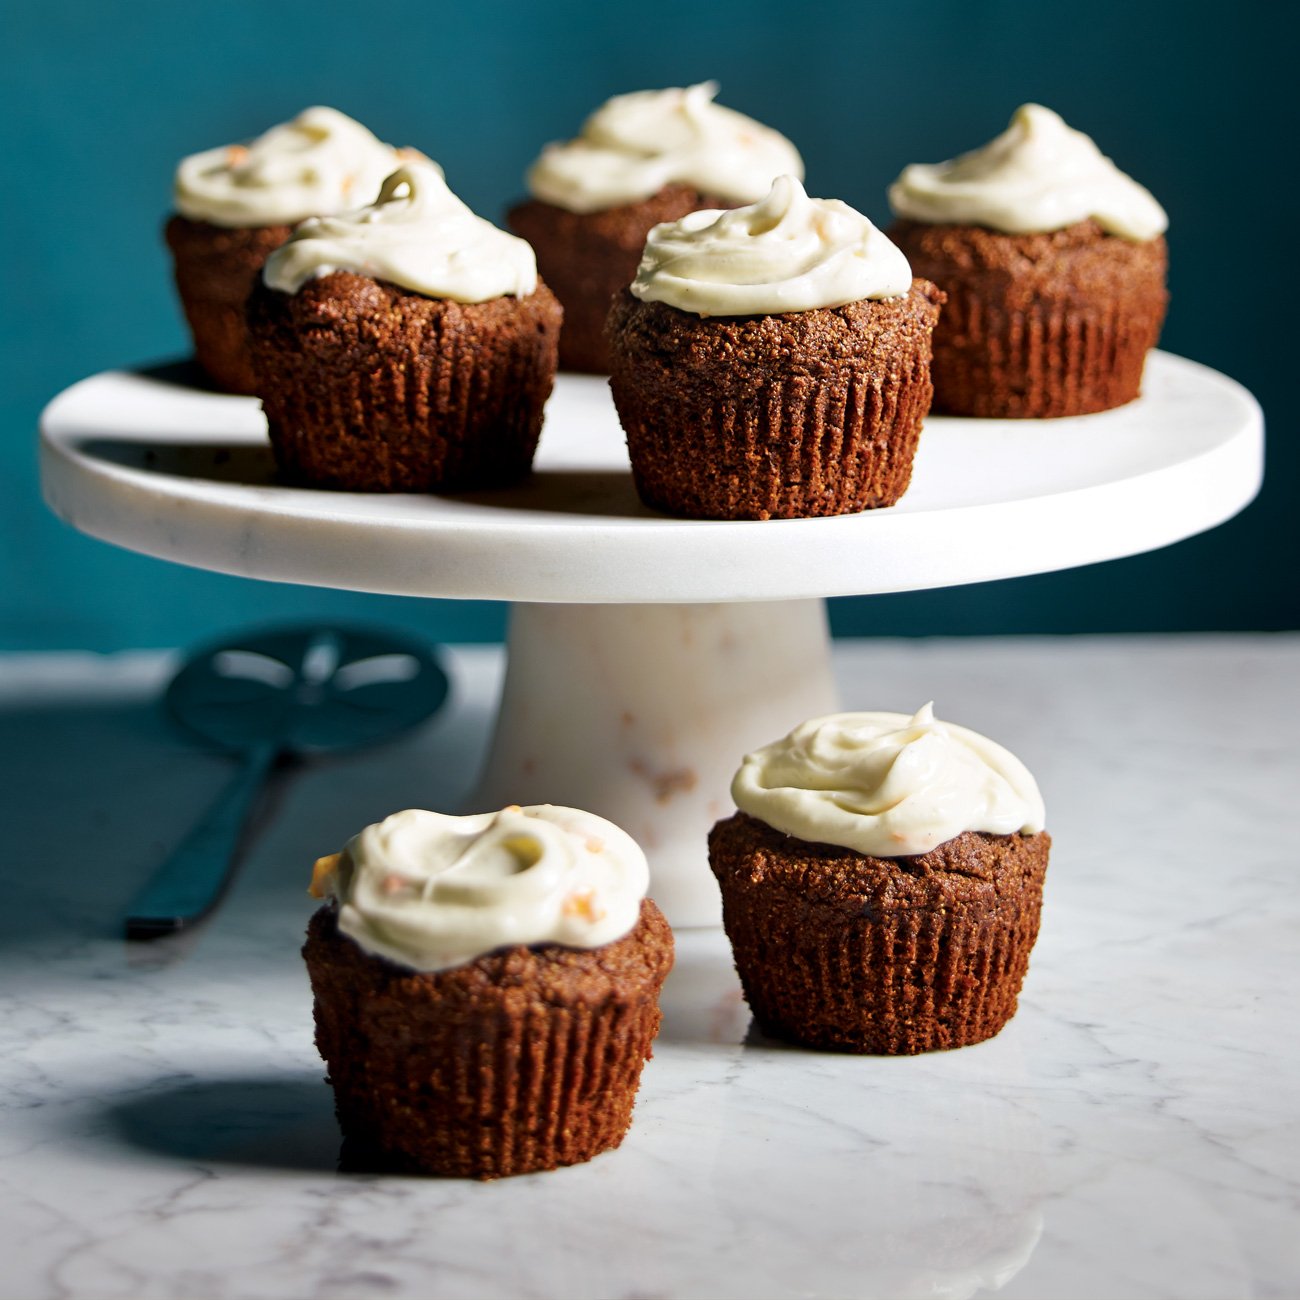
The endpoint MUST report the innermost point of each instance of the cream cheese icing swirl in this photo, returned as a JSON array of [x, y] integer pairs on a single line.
[[786, 253], [886, 784], [416, 234], [634, 145], [320, 163], [433, 891], [1038, 175]]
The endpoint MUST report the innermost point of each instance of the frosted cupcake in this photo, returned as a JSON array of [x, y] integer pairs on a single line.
[[486, 988], [640, 159], [882, 882], [407, 346], [235, 204], [1054, 265], [772, 362]]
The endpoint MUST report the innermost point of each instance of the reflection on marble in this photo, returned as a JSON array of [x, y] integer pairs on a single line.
[[1134, 1132]]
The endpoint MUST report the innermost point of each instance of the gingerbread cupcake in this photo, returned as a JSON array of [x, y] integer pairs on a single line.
[[882, 883], [1054, 265], [486, 988], [404, 347], [772, 362], [235, 204], [640, 159]]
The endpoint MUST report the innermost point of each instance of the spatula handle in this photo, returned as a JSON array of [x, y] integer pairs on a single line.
[[188, 882]]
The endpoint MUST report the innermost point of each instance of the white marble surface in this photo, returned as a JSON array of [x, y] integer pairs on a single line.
[[1134, 1132]]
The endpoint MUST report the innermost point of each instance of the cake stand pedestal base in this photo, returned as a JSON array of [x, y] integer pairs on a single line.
[[641, 713]]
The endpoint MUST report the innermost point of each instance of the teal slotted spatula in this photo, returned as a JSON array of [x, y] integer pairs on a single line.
[[303, 690]]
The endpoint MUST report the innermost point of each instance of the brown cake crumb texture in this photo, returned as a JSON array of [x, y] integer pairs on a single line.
[[1038, 325], [371, 388], [773, 417], [851, 953], [588, 257], [523, 1060], [216, 269]]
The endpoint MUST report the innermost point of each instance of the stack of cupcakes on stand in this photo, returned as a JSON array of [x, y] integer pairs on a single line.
[[486, 988], [1054, 265], [772, 361], [640, 159], [882, 883], [237, 203], [407, 346]]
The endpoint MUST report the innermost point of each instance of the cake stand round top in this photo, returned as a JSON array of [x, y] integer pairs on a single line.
[[151, 462]]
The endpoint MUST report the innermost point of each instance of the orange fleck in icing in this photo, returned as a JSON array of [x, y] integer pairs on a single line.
[[393, 883], [236, 154], [322, 870], [595, 844], [582, 903]]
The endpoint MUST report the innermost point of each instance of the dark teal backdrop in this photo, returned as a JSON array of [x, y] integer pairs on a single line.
[[100, 100]]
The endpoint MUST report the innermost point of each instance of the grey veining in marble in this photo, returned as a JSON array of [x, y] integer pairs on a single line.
[[1133, 1133]]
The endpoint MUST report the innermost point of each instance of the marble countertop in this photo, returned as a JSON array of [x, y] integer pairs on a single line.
[[1133, 1133]]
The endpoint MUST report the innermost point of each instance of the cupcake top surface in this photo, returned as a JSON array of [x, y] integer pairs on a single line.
[[320, 163], [634, 145], [1039, 175], [417, 234], [786, 253], [433, 891], [886, 784]]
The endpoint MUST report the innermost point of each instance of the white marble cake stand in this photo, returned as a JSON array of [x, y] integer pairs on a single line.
[[646, 654]]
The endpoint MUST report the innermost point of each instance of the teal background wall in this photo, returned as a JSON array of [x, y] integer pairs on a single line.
[[99, 101]]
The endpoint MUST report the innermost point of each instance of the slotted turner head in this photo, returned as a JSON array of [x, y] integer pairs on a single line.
[[308, 688]]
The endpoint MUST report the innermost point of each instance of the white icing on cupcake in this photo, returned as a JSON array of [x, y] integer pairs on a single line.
[[416, 234], [786, 253], [321, 162], [433, 891], [634, 145], [886, 784], [1038, 175]]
